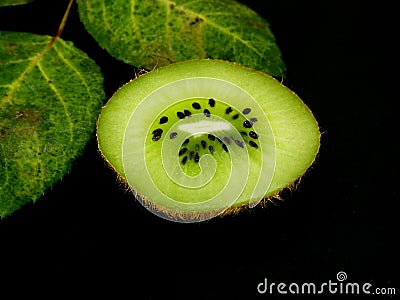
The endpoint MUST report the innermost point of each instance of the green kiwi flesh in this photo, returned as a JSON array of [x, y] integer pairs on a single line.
[[197, 138]]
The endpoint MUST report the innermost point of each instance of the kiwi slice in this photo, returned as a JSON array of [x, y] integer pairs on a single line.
[[199, 138]]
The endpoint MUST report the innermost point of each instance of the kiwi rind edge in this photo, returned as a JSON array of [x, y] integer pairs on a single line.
[[186, 216]]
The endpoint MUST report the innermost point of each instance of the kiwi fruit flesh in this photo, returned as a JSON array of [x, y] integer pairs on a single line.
[[202, 137]]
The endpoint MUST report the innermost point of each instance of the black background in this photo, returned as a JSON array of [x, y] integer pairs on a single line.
[[88, 235]]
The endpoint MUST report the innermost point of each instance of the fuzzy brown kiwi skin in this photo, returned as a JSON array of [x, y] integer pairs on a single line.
[[181, 216], [190, 217]]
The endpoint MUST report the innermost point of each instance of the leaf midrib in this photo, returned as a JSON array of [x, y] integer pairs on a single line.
[[35, 60]]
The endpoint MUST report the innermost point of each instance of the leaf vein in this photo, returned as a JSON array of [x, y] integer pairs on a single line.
[[207, 21], [135, 26], [60, 98], [17, 82], [74, 69]]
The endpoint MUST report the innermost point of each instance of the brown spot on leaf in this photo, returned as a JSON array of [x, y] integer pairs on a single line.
[[256, 25], [196, 21], [10, 47], [29, 115], [3, 133]]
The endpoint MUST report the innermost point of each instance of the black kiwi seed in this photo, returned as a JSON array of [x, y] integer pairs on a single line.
[[228, 110], [211, 148], [157, 134], [197, 147], [207, 113], [247, 124], [191, 154], [246, 111], [173, 135], [196, 157], [196, 105], [235, 116], [185, 142], [243, 132], [182, 151], [224, 147], [158, 130], [163, 120], [211, 102], [187, 113], [184, 160], [253, 144], [203, 144], [253, 135], [211, 137], [180, 115], [156, 137]]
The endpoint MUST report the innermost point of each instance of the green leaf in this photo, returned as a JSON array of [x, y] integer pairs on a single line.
[[13, 2], [152, 33], [50, 97]]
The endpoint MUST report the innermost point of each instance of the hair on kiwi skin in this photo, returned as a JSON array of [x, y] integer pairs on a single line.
[[185, 217], [188, 217], [300, 152]]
